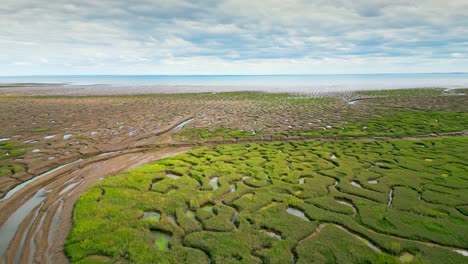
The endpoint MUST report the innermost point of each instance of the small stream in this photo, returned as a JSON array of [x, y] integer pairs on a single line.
[[368, 243], [390, 197], [181, 125], [24, 184], [8, 230]]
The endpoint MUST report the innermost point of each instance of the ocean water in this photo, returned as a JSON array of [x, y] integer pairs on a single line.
[[276, 83]]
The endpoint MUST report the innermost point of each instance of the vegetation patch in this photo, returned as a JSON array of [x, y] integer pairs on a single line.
[[10, 150], [295, 191], [402, 92]]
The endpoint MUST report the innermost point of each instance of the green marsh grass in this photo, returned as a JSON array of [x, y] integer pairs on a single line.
[[427, 178]]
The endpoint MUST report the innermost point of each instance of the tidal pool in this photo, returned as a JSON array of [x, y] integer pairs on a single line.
[[297, 213], [234, 217], [172, 176], [190, 214], [233, 187], [273, 234], [208, 208], [214, 182], [151, 216], [161, 239], [356, 184]]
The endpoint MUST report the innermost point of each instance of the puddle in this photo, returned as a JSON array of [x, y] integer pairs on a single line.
[[9, 228], [31, 141], [67, 136], [297, 213], [21, 186], [190, 214], [233, 187], [208, 208], [161, 239], [353, 102], [406, 257], [234, 217], [171, 219], [4, 139], [49, 137], [333, 156], [301, 180], [462, 252], [172, 176], [356, 184], [214, 182], [273, 234], [93, 133], [36, 151], [151, 216], [373, 182], [181, 125]]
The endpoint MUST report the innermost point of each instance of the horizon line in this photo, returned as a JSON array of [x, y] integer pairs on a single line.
[[188, 75]]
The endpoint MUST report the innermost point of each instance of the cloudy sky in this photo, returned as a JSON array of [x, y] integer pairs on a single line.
[[232, 36]]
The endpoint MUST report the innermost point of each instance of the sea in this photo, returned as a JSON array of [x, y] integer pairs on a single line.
[[309, 83]]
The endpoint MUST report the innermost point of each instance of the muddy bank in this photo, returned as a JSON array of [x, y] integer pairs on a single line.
[[38, 216]]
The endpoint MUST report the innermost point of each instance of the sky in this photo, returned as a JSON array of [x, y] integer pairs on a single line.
[[68, 37]]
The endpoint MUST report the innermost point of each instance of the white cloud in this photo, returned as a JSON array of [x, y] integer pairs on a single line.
[[232, 36]]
